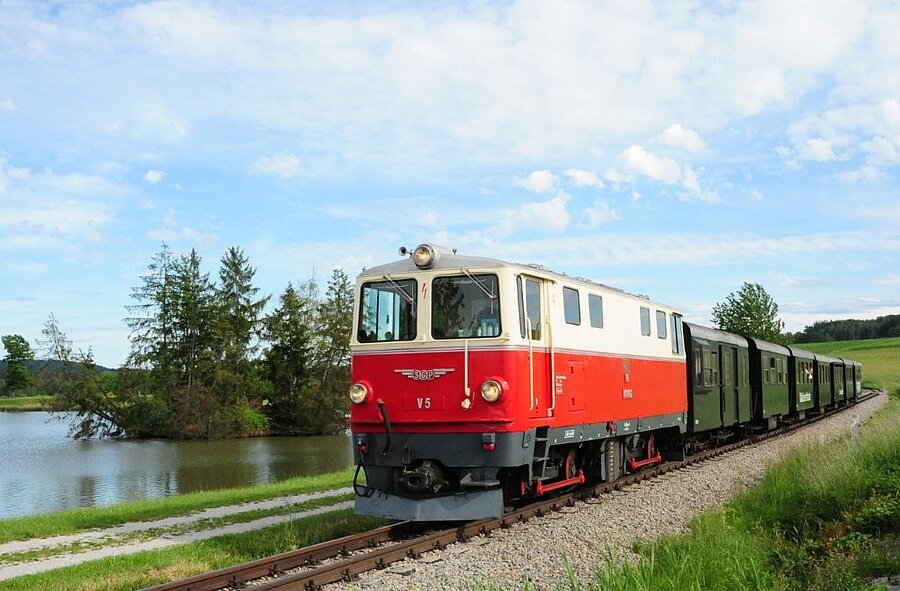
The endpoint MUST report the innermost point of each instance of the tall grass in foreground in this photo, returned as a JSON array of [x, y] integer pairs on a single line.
[[824, 519]]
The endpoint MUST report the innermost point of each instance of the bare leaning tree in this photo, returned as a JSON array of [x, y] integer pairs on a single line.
[[79, 389]]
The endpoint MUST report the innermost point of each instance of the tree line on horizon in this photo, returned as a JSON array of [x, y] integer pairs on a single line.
[[850, 330], [206, 361]]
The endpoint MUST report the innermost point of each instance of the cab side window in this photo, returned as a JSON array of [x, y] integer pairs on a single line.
[[661, 324], [571, 306], [595, 308]]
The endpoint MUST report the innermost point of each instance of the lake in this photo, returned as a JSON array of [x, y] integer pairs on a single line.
[[42, 470]]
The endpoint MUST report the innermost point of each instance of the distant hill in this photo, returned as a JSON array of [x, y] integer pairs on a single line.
[[51, 366], [850, 330]]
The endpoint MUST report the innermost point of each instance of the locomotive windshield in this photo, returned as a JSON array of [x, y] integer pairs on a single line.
[[465, 306], [387, 311]]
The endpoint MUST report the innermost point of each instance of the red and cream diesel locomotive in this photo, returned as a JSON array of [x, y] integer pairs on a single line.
[[477, 381]]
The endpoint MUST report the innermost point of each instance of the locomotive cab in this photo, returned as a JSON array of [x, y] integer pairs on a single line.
[[432, 414]]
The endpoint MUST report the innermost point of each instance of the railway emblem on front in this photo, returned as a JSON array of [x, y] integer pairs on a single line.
[[425, 375]]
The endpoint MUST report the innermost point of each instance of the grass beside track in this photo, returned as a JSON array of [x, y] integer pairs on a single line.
[[135, 571], [825, 519], [76, 520]]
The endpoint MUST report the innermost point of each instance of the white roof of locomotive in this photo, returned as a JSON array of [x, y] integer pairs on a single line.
[[448, 260]]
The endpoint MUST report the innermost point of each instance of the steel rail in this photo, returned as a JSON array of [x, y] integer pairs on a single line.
[[238, 575], [380, 555]]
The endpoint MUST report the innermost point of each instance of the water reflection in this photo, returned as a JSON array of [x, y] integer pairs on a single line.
[[41, 470]]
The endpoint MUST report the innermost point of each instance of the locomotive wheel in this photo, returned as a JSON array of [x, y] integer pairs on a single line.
[[570, 470]]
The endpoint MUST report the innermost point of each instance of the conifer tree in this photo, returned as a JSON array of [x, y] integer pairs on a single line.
[[238, 323]]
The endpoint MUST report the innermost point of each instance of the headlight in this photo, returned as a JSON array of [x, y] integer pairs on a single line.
[[359, 393], [424, 256], [491, 390]]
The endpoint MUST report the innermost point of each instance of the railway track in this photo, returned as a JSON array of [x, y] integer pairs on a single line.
[[343, 559]]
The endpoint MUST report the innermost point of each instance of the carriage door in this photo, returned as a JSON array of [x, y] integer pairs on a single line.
[[534, 325], [729, 360]]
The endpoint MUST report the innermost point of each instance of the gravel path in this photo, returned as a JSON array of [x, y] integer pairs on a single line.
[[163, 540], [534, 551]]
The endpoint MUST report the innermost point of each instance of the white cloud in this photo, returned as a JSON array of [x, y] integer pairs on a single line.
[[865, 174], [45, 210], [551, 214], [639, 160], [881, 151], [10, 174], [156, 124], [284, 165], [539, 181], [430, 219], [600, 213], [613, 176], [676, 135], [691, 183], [8, 106], [692, 248], [188, 30], [584, 178], [154, 176], [817, 150]]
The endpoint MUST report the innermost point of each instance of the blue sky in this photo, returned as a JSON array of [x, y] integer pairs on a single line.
[[675, 149]]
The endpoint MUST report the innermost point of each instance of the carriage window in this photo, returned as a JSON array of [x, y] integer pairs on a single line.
[[677, 337], [571, 305], [465, 307], [595, 308], [726, 368], [661, 324], [710, 368], [698, 367], [387, 311], [645, 322]]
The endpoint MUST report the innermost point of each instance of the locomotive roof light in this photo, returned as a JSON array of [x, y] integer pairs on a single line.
[[424, 256], [492, 389], [360, 392]]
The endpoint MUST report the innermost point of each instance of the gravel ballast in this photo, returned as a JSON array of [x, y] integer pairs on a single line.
[[582, 535]]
